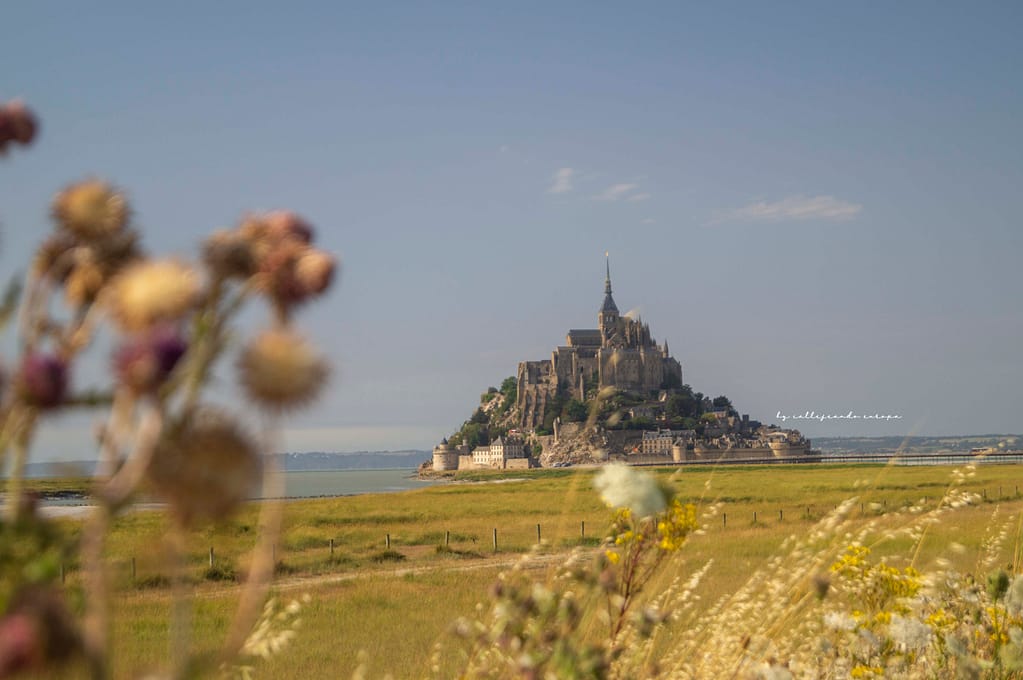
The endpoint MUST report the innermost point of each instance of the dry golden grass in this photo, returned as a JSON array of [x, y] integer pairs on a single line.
[[395, 606]]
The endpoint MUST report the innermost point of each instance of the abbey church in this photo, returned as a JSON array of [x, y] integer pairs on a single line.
[[619, 353]]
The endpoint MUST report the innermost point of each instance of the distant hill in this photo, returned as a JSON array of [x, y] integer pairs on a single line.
[[841, 445], [358, 460], [408, 459]]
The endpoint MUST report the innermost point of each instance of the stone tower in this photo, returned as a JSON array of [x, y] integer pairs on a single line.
[[607, 318]]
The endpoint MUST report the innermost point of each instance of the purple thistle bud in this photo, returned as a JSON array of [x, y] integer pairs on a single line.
[[42, 380], [168, 347], [146, 361], [21, 646], [23, 122]]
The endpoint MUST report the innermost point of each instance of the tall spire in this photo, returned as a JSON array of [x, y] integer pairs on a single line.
[[609, 306], [607, 280]]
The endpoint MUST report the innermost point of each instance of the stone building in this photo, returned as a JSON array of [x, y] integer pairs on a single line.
[[619, 353], [498, 453]]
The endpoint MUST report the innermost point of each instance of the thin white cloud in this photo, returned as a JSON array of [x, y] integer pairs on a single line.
[[649, 220], [827, 208], [562, 181], [638, 197], [617, 192]]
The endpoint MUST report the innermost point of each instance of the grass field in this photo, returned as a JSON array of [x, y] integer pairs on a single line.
[[395, 604]]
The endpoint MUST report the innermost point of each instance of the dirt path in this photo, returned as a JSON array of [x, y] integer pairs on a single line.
[[532, 562]]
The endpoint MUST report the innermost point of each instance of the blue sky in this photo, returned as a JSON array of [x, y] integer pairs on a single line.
[[816, 205]]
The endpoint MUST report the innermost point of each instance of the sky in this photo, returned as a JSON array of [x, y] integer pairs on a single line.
[[815, 204]]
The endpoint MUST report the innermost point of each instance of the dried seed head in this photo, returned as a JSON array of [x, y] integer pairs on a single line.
[[205, 467], [229, 255], [21, 645], [277, 277], [91, 209], [151, 292], [37, 631], [280, 370], [23, 123], [145, 362], [285, 225], [314, 271], [42, 380], [54, 259], [117, 251]]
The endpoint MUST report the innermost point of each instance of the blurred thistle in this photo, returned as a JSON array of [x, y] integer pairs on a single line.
[[91, 209], [145, 361], [54, 257], [175, 322], [204, 466], [280, 370], [287, 269], [36, 631], [17, 125], [42, 380], [228, 255], [152, 292]]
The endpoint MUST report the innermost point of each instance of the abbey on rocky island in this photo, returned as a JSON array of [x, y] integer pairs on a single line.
[[619, 353]]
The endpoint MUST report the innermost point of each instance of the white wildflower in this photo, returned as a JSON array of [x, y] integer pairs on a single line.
[[621, 486], [767, 671], [909, 632], [839, 621]]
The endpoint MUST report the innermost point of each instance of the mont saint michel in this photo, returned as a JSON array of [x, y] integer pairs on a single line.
[[608, 393]]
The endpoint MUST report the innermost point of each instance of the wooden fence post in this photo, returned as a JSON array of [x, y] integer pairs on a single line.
[[332, 547], [447, 538], [724, 519], [211, 557], [495, 539], [387, 541], [538, 533]]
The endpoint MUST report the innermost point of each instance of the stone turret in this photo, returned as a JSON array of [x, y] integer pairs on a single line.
[[445, 457]]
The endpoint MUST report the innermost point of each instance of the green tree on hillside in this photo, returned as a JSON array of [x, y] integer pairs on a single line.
[[575, 411]]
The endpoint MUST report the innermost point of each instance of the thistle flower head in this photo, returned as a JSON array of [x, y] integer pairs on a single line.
[[280, 370], [17, 124], [54, 258], [24, 125], [91, 209], [36, 631], [286, 225], [621, 486], [314, 271], [152, 292], [204, 466], [146, 361], [228, 254], [42, 380]]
